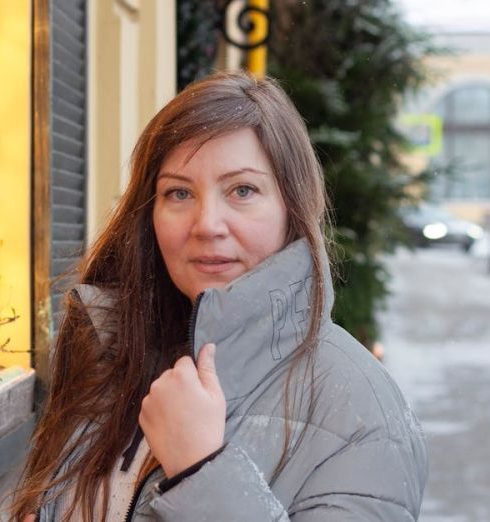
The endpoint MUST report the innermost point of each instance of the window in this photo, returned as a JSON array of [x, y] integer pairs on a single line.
[[466, 115]]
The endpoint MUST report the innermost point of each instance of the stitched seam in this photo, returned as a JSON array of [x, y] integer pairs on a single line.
[[361, 495], [302, 423]]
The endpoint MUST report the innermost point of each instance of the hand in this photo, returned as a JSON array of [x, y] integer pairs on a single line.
[[183, 416]]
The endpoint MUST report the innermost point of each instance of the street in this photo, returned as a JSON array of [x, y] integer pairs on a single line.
[[436, 335]]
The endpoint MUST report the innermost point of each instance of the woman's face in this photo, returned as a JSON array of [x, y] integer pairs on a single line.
[[219, 213]]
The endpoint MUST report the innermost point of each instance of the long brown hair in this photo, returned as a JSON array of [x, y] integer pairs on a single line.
[[100, 380]]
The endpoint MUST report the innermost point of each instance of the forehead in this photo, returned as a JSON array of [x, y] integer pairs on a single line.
[[236, 149]]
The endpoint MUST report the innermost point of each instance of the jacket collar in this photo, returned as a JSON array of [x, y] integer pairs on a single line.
[[256, 321], [259, 319]]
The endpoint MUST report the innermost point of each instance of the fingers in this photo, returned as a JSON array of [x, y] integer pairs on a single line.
[[184, 415], [184, 363], [206, 367], [185, 369]]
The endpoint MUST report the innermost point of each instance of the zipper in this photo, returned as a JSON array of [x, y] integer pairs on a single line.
[[191, 337], [135, 497], [191, 333]]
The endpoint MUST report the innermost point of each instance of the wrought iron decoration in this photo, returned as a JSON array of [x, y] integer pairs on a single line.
[[245, 23]]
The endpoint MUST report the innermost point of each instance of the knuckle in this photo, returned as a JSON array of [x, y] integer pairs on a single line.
[[144, 403], [182, 367], [183, 362], [142, 415], [155, 386], [160, 381]]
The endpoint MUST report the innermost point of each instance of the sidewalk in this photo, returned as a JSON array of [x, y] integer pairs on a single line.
[[436, 334]]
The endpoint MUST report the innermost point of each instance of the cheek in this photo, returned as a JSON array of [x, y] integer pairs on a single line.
[[170, 249], [265, 236], [277, 222], [167, 236]]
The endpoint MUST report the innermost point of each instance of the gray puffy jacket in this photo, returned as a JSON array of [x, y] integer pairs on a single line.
[[363, 456]]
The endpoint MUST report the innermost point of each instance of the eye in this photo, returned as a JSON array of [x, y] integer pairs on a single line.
[[244, 191], [178, 194]]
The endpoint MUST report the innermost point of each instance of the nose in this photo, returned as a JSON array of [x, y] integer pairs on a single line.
[[210, 220]]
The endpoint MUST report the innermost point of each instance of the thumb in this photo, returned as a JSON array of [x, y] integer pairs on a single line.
[[206, 367]]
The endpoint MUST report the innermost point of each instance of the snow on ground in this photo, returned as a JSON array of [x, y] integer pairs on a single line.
[[436, 334]]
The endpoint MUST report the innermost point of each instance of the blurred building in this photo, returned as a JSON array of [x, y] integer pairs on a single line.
[[451, 117], [83, 79]]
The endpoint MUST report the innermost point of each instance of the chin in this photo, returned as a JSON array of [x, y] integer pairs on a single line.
[[199, 290]]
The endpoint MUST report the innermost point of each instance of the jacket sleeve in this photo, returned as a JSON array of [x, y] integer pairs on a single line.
[[230, 487], [374, 480], [348, 487]]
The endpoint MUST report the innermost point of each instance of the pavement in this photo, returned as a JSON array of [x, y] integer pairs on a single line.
[[436, 336]]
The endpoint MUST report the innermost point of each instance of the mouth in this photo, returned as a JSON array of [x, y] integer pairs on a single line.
[[213, 264]]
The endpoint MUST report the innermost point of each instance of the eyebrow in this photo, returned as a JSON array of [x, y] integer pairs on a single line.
[[222, 177]]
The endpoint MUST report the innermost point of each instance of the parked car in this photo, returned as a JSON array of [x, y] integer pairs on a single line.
[[481, 249], [430, 225]]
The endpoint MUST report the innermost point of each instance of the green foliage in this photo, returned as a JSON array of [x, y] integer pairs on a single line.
[[347, 66], [197, 39]]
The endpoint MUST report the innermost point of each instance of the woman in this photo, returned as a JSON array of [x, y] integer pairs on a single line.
[[216, 254]]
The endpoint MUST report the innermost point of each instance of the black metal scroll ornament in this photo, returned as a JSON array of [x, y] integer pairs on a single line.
[[245, 23]]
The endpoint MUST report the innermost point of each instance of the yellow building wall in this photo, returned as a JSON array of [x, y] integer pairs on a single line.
[[132, 74], [449, 68], [449, 72], [15, 69]]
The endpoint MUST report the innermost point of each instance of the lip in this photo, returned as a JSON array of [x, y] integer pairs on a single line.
[[213, 264]]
